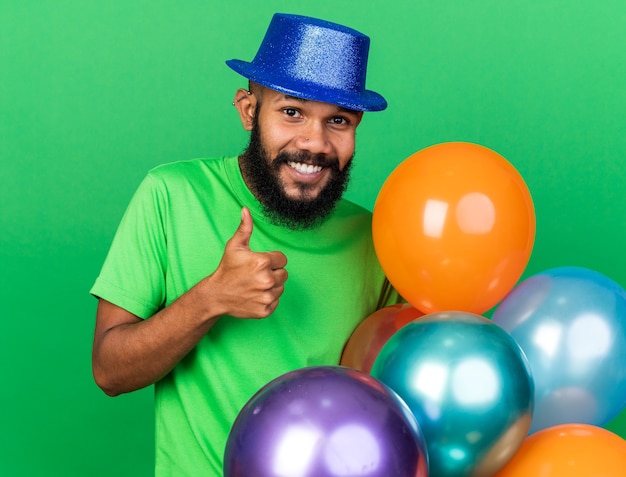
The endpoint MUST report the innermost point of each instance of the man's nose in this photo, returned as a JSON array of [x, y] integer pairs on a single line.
[[314, 138]]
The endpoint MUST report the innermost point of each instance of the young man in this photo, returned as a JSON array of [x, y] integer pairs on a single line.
[[194, 295]]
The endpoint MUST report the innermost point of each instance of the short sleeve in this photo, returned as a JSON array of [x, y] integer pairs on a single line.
[[133, 274]]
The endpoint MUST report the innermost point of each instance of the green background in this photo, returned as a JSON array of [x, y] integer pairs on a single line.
[[93, 94]]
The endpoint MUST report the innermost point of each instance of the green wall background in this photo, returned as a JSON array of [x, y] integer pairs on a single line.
[[93, 94]]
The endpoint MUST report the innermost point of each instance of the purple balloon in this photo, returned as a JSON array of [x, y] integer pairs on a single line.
[[325, 421]]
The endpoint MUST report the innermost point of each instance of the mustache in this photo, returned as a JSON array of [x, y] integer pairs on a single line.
[[306, 158]]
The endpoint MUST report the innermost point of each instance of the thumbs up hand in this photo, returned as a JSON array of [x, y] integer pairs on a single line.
[[246, 284]]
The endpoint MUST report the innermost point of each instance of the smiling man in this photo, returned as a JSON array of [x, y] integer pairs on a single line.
[[193, 296], [298, 165]]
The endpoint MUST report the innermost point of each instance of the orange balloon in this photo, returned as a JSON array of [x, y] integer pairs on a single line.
[[453, 228], [569, 450], [373, 332]]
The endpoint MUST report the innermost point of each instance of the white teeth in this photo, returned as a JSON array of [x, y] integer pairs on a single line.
[[305, 168]]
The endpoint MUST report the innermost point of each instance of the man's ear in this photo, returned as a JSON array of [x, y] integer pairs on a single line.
[[245, 102]]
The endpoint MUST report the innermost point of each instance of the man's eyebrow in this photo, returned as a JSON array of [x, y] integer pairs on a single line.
[[295, 98], [348, 110], [304, 100]]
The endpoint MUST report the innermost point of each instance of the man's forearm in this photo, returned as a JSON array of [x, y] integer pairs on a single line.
[[134, 353]]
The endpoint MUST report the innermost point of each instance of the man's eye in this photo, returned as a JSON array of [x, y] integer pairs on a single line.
[[339, 120], [291, 112]]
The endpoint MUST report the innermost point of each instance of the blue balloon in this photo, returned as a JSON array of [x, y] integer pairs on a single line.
[[325, 421], [469, 386], [571, 323]]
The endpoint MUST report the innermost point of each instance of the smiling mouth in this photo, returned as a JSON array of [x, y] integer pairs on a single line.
[[304, 168]]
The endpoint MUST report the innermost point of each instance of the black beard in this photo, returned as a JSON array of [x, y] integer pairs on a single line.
[[261, 174]]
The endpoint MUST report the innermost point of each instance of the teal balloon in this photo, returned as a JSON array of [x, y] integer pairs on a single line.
[[571, 324], [469, 386]]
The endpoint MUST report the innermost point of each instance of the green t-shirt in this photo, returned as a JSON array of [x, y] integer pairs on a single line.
[[172, 236]]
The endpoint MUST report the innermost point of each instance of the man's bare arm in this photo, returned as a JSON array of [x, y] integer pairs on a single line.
[[130, 353]]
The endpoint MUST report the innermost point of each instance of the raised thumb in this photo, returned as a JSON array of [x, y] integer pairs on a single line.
[[242, 235]]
